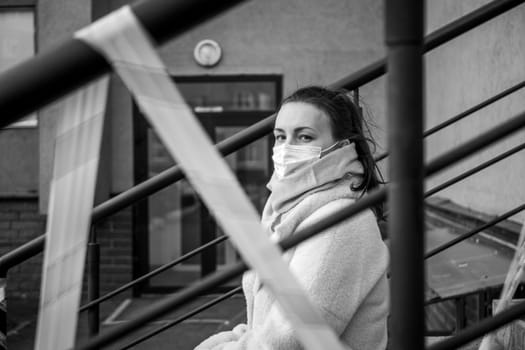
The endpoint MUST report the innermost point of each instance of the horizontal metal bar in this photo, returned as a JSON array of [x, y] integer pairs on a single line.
[[433, 40], [464, 114], [471, 233], [142, 190], [506, 128], [22, 253], [182, 318], [480, 328], [164, 306], [52, 74], [439, 332], [474, 109], [466, 294], [152, 273], [474, 170], [375, 197], [175, 173]]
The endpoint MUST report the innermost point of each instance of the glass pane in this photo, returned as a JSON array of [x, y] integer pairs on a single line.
[[17, 43], [229, 96], [174, 221], [250, 164]]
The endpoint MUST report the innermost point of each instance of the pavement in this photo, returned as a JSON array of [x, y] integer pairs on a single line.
[[183, 336]]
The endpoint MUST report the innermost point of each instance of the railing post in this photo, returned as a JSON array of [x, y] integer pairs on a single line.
[[404, 39], [3, 310], [461, 319], [93, 282]]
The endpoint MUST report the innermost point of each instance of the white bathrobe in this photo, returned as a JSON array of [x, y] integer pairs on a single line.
[[343, 269]]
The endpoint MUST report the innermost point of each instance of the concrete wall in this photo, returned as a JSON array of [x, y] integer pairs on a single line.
[[463, 73], [19, 162]]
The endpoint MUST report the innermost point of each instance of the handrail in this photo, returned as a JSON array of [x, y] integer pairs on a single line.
[[474, 109], [377, 196], [52, 74], [182, 318], [464, 114], [140, 191], [263, 127], [480, 328], [222, 238], [433, 40], [474, 170], [471, 233], [152, 273], [478, 143]]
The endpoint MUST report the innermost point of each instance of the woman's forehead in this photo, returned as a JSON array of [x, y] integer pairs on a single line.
[[294, 115]]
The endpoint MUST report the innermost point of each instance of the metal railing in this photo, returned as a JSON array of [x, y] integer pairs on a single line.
[[12, 110], [212, 281], [93, 66]]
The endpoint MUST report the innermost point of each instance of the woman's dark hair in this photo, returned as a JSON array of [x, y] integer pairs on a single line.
[[347, 123]]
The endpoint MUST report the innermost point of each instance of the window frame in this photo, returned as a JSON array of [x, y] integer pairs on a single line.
[[24, 5]]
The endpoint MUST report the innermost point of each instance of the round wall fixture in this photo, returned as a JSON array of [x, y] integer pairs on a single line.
[[207, 53]]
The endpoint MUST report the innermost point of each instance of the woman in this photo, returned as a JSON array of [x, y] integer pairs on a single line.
[[322, 163]]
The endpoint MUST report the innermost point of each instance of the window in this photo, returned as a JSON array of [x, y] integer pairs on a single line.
[[17, 41]]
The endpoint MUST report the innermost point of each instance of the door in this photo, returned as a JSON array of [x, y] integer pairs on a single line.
[[174, 221]]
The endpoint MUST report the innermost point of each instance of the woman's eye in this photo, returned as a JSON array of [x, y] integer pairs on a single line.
[[305, 138], [279, 138]]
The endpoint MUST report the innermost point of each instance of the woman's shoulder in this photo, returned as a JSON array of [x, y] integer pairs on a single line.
[[366, 217]]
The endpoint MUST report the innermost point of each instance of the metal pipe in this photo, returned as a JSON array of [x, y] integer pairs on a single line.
[[52, 74], [471, 233], [474, 109], [182, 318], [147, 276], [480, 328], [461, 319], [474, 170], [93, 293], [164, 306], [485, 139], [433, 40], [464, 114], [404, 40]]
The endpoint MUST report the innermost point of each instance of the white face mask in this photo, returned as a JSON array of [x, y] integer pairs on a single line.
[[287, 158]]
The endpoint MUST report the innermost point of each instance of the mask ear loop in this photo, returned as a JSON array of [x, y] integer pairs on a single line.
[[334, 147]]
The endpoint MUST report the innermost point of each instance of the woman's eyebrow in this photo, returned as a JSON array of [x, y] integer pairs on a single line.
[[301, 128]]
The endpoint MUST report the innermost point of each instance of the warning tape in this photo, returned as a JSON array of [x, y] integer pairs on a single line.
[[77, 149]]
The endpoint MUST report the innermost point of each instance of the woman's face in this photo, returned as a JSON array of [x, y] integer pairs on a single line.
[[300, 123]]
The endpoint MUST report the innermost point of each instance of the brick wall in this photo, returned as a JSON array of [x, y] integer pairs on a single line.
[[20, 222]]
